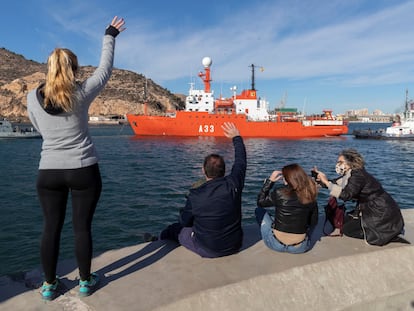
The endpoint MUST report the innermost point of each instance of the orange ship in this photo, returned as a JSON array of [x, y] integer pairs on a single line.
[[204, 115]]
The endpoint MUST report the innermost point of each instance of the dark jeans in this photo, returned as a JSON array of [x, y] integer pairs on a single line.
[[53, 187], [171, 232], [185, 236]]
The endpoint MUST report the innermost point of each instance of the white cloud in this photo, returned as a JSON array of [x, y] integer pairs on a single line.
[[339, 52], [359, 49]]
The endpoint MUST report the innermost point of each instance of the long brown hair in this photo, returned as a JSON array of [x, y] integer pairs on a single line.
[[60, 85], [300, 182]]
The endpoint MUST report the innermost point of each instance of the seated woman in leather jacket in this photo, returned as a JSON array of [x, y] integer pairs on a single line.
[[296, 210]]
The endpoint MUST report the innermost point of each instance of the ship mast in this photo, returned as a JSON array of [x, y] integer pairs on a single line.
[[253, 66], [145, 93], [206, 75], [406, 113]]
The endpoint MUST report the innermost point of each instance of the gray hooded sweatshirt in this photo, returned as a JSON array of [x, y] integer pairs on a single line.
[[67, 143]]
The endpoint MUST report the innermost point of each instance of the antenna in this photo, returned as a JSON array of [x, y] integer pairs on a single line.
[[406, 99], [304, 105], [253, 66], [283, 101]]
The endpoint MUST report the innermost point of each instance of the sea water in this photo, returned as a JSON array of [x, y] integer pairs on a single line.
[[145, 180]]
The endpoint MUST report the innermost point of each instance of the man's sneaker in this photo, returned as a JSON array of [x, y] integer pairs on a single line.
[[148, 237], [87, 287], [50, 291]]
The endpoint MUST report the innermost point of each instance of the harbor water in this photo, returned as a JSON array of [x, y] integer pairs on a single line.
[[145, 180]]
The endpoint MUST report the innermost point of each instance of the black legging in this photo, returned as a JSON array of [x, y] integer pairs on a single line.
[[53, 187]]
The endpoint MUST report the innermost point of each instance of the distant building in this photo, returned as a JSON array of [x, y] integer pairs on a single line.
[[357, 112], [363, 115], [377, 112]]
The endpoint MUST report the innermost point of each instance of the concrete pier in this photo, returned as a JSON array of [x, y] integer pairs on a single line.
[[339, 273]]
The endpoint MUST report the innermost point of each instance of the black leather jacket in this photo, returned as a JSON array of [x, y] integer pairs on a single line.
[[291, 216]]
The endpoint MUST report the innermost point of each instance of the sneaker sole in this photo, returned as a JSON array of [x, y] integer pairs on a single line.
[[85, 294], [45, 298], [89, 290]]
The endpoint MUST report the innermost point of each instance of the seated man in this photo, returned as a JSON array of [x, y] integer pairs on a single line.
[[210, 222]]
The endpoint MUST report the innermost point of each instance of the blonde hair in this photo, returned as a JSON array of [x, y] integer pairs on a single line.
[[300, 182], [59, 89]]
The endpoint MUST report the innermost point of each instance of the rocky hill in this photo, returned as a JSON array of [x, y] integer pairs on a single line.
[[124, 93]]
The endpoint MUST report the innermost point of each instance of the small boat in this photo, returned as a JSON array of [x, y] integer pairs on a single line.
[[107, 120], [8, 131], [381, 135], [204, 115], [401, 129]]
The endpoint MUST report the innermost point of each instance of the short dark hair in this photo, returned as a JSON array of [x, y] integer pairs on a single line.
[[214, 166]]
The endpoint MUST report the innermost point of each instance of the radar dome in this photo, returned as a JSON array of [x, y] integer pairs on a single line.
[[207, 61]]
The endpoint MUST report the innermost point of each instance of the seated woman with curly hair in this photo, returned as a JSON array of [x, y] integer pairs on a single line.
[[377, 217]]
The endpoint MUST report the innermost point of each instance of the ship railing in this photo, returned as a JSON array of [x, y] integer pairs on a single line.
[[226, 110]]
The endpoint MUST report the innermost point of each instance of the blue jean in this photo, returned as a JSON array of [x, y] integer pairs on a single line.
[[266, 230]]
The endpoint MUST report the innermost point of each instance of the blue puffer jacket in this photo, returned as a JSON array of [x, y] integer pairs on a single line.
[[214, 208]]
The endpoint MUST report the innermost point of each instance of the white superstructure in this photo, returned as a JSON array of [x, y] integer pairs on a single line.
[[246, 103]]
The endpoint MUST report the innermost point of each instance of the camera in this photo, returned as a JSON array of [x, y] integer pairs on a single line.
[[314, 175]]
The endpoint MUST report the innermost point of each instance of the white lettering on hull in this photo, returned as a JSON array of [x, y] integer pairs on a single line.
[[206, 128]]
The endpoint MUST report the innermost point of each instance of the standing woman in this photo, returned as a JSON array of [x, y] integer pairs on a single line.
[[58, 109], [296, 210], [377, 217]]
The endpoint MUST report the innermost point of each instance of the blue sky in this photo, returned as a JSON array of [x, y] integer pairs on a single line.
[[335, 54]]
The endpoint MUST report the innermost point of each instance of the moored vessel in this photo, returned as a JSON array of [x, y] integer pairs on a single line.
[[401, 129], [107, 120], [204, 115], [8, 131]]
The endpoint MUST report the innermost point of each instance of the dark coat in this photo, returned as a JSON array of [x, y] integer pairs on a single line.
[[213, 209], [381, 217]]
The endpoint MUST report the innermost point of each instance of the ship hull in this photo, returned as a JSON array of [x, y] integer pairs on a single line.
[[185, 123]]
